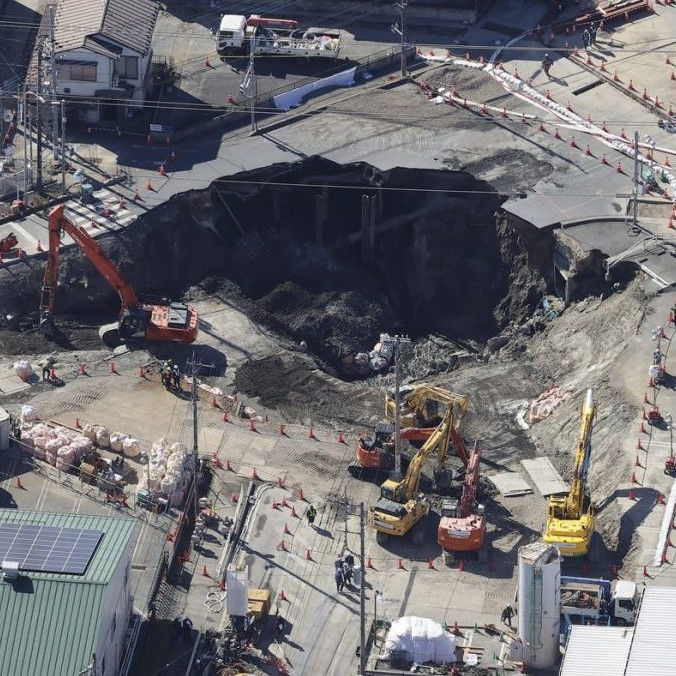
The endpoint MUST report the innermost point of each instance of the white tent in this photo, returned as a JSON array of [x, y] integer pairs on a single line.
[[422, 639]]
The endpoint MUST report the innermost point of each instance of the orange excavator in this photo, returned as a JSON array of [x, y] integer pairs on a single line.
[[463, 525], [174, 322], [377, 452]]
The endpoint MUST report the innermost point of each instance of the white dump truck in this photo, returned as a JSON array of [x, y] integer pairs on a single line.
[[238, 34], [596, 601]]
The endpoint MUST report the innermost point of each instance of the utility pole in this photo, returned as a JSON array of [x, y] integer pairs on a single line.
[[636, 166], [250, 83], [63, 146], [398, 340], [52, 64], [400, 30], [38, 120], [362, 592]]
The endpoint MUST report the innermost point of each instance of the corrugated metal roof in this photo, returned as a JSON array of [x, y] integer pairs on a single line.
[[48, 621], [652, 651], [117, 533], [596, 651], [128, 22]]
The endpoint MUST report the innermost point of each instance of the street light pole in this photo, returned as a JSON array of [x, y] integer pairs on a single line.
[[400, 30], [63, 146]]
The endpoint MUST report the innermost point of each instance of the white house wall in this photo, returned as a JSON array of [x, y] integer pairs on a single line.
[[77, 87], [117, 604]]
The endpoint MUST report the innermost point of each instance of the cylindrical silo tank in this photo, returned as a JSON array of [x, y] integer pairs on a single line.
[[539, 604]]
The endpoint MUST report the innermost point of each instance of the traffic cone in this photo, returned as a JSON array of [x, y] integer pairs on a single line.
[[282, 546], [589, 61], [40, 246], [523, 118], [301, 495], [573, 143], [637, 462], [308, 555], [224, 417], [456, 628], [516, 73], [233, 497], [604, 127], [634, 480], [639, 446], [113, 368], [217, 462], [542, 127], [587, 151], [52, 374], [645, 398], [82, 370], [400, 565], [221, 585], [631, 86], [161, 170], [660, 499], [137, 195], [632, 494], [619, 168], [430, 564], [643, 430], [149, 186], [78, 424], [484, 110], [666, 162], [170, 536], [205, 572], [369, 564], [461, 566], [280, 483], [293, 512], [616, 77], [121, 204], [93, 224], [664, 558], [622, 134], [282, 596], [252, 425], [254, 475], [604, 160], [282, 431], [207, 63], [311, 434], [548, 95], [569, 108], [228, 466], [285, 503], [503, 114], [556, 134], [172, 157], [603, 67], [274, 504], [18, 484], [341, 439], [286, 529]]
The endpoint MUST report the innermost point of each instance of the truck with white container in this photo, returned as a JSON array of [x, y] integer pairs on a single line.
[[238, 35], [597, 601]]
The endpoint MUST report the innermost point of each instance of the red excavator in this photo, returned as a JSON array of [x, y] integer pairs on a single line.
[[463, 525], [377, 452], [168, 321]]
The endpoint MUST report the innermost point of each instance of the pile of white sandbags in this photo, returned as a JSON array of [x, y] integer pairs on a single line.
[[118, 442], [28, 414], [58, 446], [168, 471], [23, 369]]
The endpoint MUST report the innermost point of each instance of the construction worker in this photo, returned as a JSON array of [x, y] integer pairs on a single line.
[[593, 30], [46, 364], [547, 63], [176, 377], [347, 573], [340, 580], [311, 514], [586, 38], [166, 375], [281, 625], [507, 615]]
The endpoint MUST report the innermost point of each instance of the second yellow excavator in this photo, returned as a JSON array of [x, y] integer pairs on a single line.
[[572, 517]]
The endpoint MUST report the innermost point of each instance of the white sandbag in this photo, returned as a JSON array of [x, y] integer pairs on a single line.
[[116, 441], [81, 446], [169, 483], [53, 446], [62, 465], [40, 442], [37, 453], [176, 498], [423, 640], [28, 413], [178, 447], [159, 447], [89, 431], [131, 447], [23, 368], [51, 458], [29, 442], [102, 437]]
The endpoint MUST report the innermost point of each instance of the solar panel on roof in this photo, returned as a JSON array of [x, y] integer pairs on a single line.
[[48, 549]]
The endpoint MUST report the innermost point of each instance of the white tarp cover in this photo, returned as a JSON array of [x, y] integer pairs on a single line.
[[424, 640], [295, 97]]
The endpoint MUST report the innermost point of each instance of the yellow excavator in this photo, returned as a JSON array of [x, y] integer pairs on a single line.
[[572, 517], [422, 405], [400, 506]]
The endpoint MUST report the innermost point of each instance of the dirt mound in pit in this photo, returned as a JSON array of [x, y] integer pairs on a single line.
[[294, 384]]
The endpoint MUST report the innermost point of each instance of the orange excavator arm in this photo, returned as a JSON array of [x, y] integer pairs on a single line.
[[58, 223]]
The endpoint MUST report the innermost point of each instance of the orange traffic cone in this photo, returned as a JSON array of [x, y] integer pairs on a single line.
[[113, 368], [285, 503], [280, 482], [400, 565], [282, 596], [282, 546], [632, 494], [301, 495], [149, 186], [341, 439], [308, 555], [172, 157], [40, 246], [82, 369], [228, 466], [78, 425], [205, 572], [369, 564], [207, 63], [221, 585], [233, 497], [282, 431], [293, 512], [274, 504], [286, 529], [311, 434], [18, 483], [161, 170], [254, 475], [461, 566], [214, 402], [430, 565], [224, 417], [252, 426]]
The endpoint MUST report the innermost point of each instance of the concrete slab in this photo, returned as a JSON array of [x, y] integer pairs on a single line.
[[545, 477], [510, 484]]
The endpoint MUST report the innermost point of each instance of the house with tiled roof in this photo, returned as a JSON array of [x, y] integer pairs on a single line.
[[104, 54]]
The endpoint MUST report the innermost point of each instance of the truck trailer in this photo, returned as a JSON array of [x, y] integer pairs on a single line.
[[597, 601]]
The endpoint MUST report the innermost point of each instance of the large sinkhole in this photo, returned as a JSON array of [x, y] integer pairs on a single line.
[[330, 254]]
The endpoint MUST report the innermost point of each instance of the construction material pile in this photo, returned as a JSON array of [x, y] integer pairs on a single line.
[[59, 447], [168, 472], [23, 369], [420, 640], [117, 441], [545, 404]]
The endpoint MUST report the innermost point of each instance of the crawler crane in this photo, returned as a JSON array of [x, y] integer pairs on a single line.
[[174, 322], [572, 517]]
